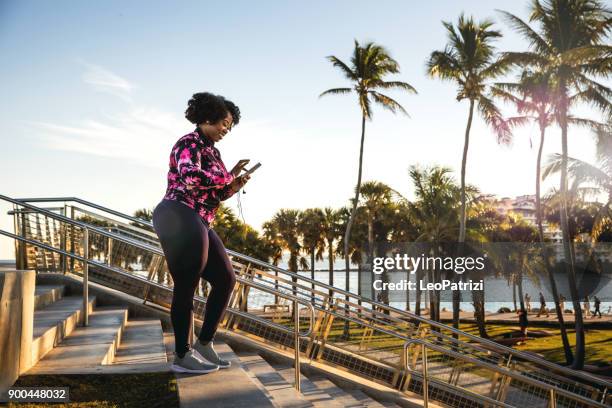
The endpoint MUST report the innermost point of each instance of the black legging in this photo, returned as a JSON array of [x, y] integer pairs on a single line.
[[192, 252]]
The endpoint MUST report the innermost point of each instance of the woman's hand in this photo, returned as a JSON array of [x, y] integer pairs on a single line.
[[239, 182], [239, 167]]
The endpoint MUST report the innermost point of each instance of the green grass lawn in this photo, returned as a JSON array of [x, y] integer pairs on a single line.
[[110, 390], [598, 341]]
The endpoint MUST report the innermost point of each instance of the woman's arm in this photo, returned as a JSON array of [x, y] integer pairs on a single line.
[[197, 171], [233, 187]]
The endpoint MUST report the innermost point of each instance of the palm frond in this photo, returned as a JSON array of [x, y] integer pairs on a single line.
[[524, 59], [602, 221], [492, 116], [579, 170], [393, 84], [517, 121], [338, 63], [584, 54], [584, 122], [388, 102], [444, 64], [535, 40], [496, 69], [593, 96], [336, 91]]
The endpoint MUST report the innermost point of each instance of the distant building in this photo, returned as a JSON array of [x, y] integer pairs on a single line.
[[525, 206]]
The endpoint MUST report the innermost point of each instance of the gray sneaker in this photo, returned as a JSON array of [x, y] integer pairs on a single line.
[[208, 353], [191, 363]]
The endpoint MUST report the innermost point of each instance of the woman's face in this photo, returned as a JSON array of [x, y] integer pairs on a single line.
[[216, 131]]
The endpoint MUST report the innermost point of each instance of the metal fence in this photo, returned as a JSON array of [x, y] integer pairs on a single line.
[[367, 338]]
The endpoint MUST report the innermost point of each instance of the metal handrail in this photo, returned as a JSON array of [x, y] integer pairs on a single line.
[[298, 334], [493, 367], [294, 299], [255, 261], [87, 203]]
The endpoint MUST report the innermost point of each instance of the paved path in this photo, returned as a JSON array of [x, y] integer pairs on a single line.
[[533, 319]]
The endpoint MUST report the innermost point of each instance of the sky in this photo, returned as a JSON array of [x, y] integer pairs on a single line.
[[94, 93]]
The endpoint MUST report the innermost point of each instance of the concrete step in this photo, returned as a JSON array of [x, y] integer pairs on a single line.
[[55, 322], [229, 387], [86, 347], [282, 393], [366, 400], [44, 295], [337, 393], [141, 343], [311, 392]]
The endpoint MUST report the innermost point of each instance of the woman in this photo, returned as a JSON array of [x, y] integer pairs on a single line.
[[197, 183]]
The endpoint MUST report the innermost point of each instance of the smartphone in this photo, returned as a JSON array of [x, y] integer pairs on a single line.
[[252, 169]]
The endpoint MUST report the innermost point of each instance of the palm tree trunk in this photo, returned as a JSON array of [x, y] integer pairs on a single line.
[[477, 297], [551, 277], [462, 219], [578, 362], [330, 259], [520, 291], [514, 294], [417, 305], [432, 297], [312, 271], [408, 293], [349, 225], [466, 145]]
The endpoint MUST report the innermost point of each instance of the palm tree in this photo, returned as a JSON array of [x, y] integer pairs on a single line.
[[535, 103], [374, 196], [570, 48], [436, 214], [468, 60], [331, 231], [402, 224], [370, 65], [599, 175], [309, 227], [355, 249], [283, 231]]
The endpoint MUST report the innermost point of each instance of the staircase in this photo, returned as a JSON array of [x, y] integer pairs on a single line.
[[367, 347], [115, 342]]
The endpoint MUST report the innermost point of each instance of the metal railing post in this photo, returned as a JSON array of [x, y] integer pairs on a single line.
[[553, 399], [64, 238], [72, 246], [86, 277], [296, 331], [24, 247], [425, 382], [109, 257]]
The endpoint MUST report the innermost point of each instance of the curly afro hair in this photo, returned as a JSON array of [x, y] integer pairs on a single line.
[[207, 107]]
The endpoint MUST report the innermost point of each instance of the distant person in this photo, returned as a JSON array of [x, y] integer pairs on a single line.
[[523, 322], [597, 305], [562, 303], [586, 305], [528, 302], [543, 308], [197, 183]]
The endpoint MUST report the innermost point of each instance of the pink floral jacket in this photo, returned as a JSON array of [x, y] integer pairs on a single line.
[[197, 176]]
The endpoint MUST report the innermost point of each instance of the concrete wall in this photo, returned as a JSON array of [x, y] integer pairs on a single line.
[[16, 324]]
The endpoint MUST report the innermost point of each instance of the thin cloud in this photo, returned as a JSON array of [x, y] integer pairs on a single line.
[[142, 135], [103, 80]]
